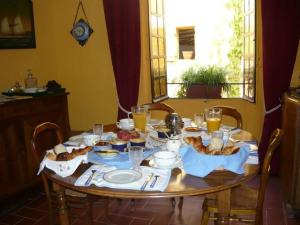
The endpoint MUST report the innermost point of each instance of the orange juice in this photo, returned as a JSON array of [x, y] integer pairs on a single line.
[[139, 119], [213, 124]]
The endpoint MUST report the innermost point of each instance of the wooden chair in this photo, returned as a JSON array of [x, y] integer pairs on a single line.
[[159, 107], [45, 136], [232, 112], [245, 200]]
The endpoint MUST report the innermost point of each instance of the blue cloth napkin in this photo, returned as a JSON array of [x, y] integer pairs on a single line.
[[121, 161], [199, 164]]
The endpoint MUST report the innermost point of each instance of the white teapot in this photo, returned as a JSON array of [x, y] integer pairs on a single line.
[[173, 144]]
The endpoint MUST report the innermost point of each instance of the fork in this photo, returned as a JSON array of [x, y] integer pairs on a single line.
[[88, 181], [154, 181], [146, 182]]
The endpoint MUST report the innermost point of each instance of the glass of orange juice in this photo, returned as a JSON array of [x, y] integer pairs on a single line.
[[213, 119], [139, 114]]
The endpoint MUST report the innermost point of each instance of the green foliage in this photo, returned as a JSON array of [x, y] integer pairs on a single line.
[[208, 75], [237, 43]]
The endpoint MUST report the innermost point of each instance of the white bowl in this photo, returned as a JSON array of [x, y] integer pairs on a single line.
[[91, 139], [165, 158]]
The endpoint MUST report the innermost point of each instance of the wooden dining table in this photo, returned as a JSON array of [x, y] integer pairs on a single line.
[[181, 184]]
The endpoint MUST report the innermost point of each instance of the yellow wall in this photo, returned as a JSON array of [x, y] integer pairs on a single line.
[[87, 72]]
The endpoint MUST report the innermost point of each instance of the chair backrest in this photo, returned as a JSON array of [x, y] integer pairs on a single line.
[[159, 107], [274, 143], [45, 136], [232, 112]]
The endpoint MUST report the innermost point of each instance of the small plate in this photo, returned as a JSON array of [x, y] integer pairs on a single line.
[[122, 176], [107, 153], [175, 165], [192, 129]]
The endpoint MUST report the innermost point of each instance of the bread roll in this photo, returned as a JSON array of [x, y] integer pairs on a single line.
[[60, 148], [65, 156]]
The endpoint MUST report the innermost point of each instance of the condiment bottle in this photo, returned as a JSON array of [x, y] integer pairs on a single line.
[[30, 81]]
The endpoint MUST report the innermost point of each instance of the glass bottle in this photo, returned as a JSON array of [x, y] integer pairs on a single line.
[[30, 81]]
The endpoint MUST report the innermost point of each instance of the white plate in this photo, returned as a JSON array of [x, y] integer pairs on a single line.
[[30, 90], [178, 163], [122, 176]]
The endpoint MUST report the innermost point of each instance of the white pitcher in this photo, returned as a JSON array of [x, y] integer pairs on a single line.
[[173, 144]]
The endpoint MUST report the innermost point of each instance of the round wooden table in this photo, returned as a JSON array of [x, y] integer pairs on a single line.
[[181, 184]]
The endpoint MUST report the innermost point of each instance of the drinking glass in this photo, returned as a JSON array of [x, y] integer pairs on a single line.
[[198, 119], [213, 119], [139, 114], [135, 156], [98, 129]]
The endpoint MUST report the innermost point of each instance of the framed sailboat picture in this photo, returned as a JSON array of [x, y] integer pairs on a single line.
[[16, 24]]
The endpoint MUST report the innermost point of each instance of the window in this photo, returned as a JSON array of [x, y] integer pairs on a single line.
[[217, 33], [186, 42], [157, 50]]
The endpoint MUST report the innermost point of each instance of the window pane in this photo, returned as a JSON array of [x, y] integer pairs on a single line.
[[153, 6], [161, 47], [155, 67], [162, 71], [156, 88], [154, 46], [160, 24], [163, 85], [154, 25], [160, 7]]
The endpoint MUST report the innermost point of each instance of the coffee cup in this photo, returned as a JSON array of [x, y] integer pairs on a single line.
[[138, 142], [125, 124], [119, 145], [91, 139]]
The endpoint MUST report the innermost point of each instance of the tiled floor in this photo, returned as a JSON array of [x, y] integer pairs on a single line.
[[144, 212]]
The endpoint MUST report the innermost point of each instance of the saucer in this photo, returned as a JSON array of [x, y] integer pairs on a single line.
[[178, 163]]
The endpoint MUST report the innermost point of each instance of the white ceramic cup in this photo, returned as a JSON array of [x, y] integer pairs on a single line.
[[91, 139], [125, 124], [165, 159], [187, 122]]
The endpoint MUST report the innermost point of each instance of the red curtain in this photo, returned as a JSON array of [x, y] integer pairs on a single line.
[[123, 28], [281, 33]]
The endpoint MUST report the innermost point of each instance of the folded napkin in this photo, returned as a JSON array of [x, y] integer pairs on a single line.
[[97, 179], [78, 139], [62, 168], [121, 161], [199, 164]]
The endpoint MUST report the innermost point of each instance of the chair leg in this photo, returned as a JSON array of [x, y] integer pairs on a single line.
[[205, 214], [173, 201], [90, 213], [180, 205]]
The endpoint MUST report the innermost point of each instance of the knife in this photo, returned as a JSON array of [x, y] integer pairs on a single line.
[[146, 182]]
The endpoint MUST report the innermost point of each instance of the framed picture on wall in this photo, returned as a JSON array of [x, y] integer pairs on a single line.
[[16, 24]]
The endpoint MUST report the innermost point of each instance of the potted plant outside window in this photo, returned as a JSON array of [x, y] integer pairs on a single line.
[[203, 82]]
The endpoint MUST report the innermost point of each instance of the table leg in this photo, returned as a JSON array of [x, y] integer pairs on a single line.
[[223, 206], [62, 206]]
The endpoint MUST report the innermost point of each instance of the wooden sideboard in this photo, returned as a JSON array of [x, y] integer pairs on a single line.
[[290, 150], [18, 119]]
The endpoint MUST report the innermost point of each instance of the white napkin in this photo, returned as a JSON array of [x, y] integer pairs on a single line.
[[253, 153], [160, 185], [62, 168]]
